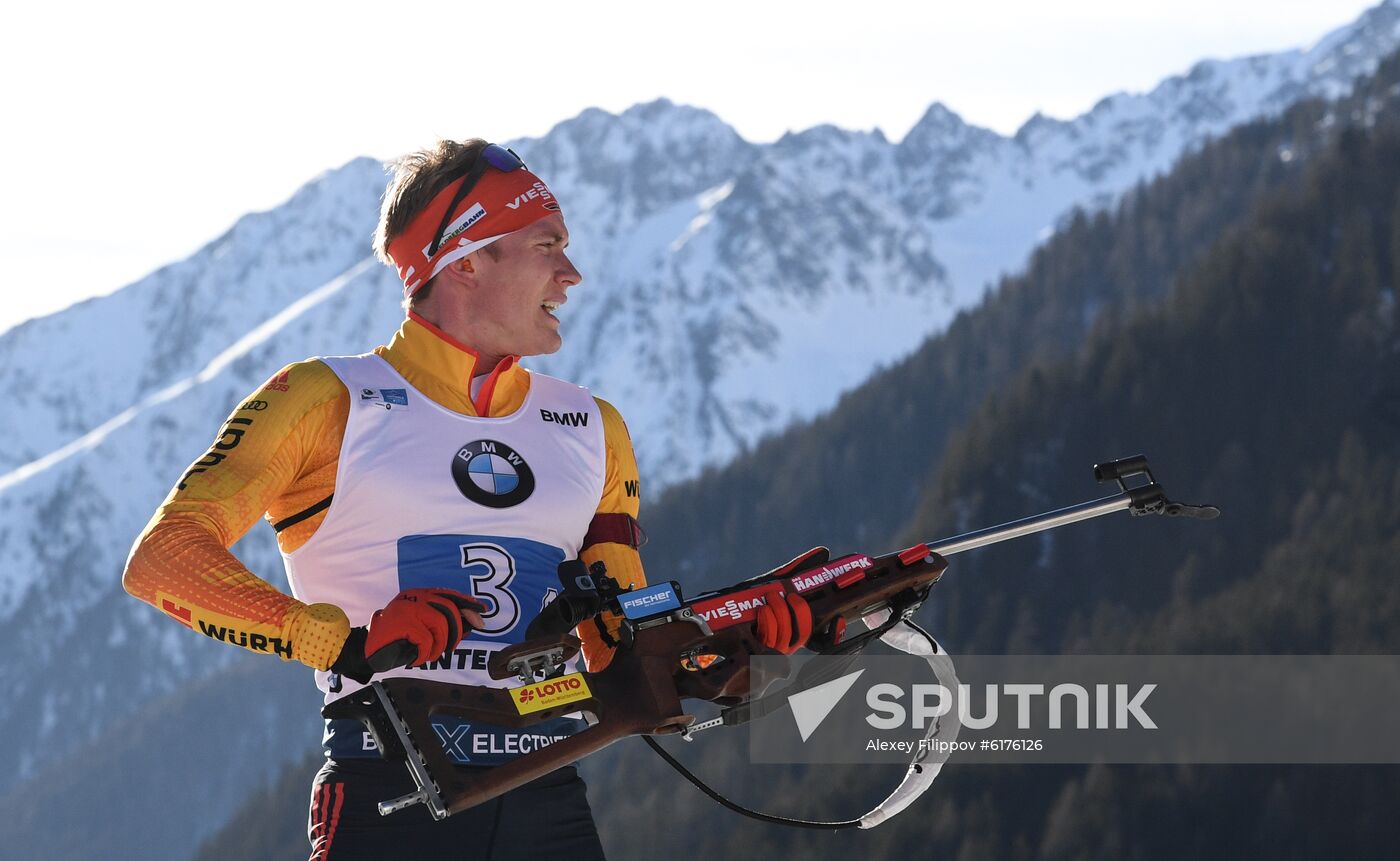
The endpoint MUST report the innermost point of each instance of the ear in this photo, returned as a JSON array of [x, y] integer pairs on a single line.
[[459, 271]]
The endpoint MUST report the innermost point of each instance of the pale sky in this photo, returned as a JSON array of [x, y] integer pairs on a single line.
[[135, 132]]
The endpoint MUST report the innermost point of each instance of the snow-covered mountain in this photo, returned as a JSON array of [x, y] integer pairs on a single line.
[[730, 288]]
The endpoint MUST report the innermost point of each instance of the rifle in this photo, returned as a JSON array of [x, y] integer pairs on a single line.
[[670, 649]]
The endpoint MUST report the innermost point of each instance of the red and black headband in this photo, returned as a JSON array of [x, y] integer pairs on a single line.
[[469, 214]]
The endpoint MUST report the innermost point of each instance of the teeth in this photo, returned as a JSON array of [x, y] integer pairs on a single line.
[[551, 306]]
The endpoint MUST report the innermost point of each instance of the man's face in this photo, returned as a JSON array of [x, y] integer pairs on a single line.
[[512, 294]]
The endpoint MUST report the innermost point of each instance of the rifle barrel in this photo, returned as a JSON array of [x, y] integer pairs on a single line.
[[1031, 525]]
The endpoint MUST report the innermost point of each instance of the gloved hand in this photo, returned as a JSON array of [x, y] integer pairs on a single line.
[[784, 622], [415, 627]]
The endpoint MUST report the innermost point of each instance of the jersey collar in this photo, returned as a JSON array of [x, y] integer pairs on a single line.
[[442, 368]]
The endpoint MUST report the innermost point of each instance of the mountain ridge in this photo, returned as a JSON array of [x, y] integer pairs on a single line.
[[974, 201]]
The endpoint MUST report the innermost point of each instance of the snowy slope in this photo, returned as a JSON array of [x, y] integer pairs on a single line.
[[750, 283], [730, 288], [74, 645], [68, 373]]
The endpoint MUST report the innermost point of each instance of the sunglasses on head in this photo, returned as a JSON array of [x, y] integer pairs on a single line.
[[494, 155]]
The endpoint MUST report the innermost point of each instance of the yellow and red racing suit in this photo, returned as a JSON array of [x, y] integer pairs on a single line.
[[276, 457]]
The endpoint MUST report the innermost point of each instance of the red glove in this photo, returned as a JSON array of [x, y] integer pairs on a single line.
[[784, 622], [419, 625], [415, 627]]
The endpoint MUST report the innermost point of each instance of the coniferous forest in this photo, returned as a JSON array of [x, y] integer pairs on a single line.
[[1236, 320]]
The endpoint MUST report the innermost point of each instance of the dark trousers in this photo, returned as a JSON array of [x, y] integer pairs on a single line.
[[547, 818]]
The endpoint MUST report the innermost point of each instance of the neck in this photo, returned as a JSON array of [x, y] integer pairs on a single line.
[[452, 373], [455, 329]]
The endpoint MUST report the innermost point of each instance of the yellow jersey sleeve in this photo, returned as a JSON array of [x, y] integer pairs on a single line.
[[621, 495], [275, 456]]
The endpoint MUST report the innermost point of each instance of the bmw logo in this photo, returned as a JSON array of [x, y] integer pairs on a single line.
[[490, 473]]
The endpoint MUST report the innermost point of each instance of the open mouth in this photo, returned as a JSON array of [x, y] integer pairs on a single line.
[[550, 308]]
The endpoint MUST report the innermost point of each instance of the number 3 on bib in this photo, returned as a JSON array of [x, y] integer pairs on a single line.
[[490, 570], [509, 574]]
